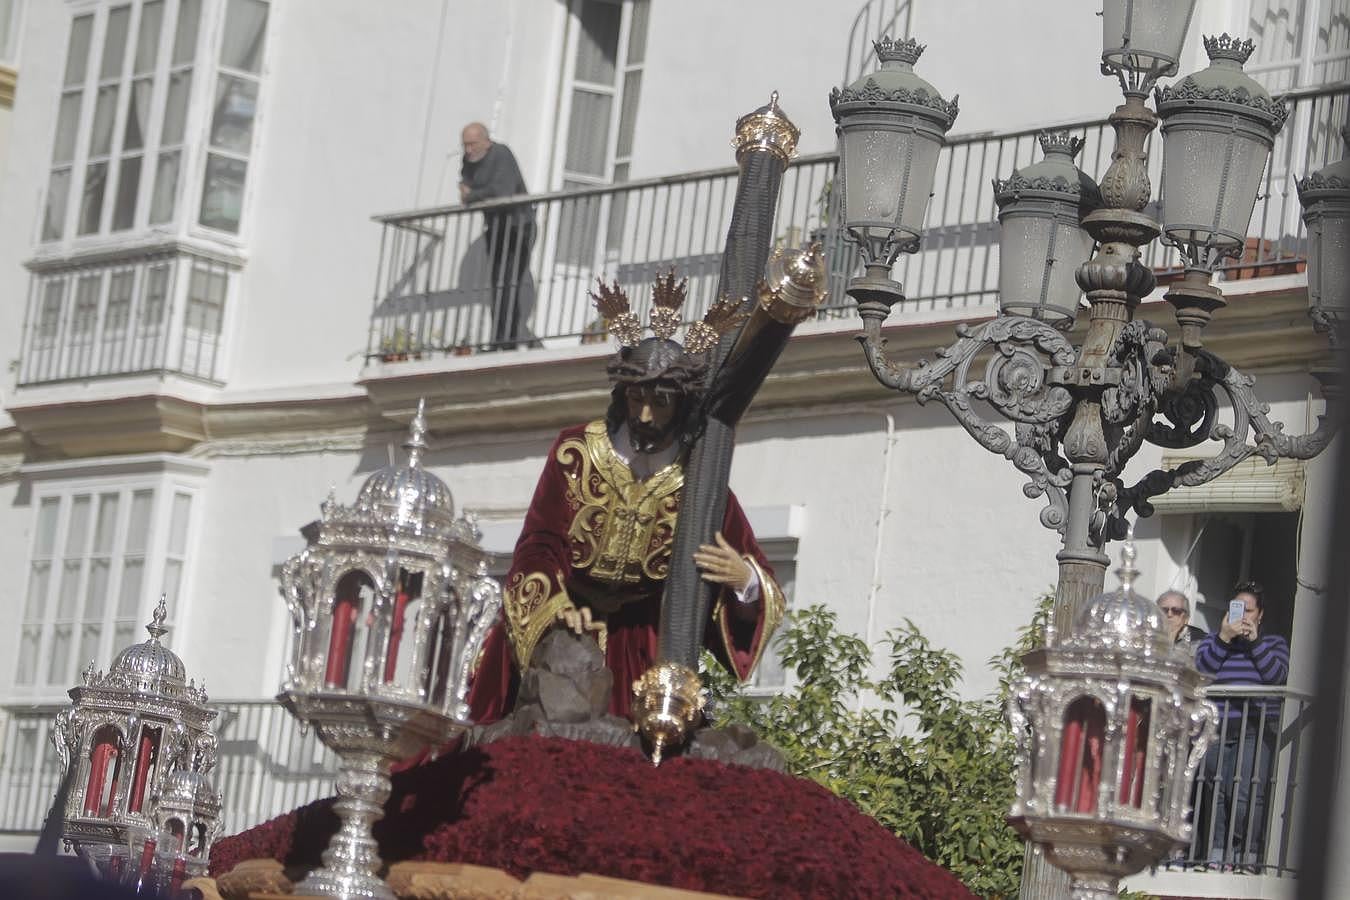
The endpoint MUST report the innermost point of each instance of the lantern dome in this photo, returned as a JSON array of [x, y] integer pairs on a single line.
[[408, 494], [1224, 83], [896, 82], [150, 659], [1122, 615]]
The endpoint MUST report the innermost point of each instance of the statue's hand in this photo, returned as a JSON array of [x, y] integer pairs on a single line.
[[720, 564], [578, 620]]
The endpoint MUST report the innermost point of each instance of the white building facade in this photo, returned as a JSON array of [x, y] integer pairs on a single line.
[[205, 330]]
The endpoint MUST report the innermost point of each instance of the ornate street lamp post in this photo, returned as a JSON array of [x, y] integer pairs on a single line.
[[1080, 413]]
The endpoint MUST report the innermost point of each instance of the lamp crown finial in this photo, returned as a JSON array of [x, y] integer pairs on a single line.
[[156, 627], [906, 51], [1225, 46], [1060, 142], [416, 444]]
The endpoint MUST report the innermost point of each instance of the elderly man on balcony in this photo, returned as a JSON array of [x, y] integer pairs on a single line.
[[1238, 766], [490, 172]]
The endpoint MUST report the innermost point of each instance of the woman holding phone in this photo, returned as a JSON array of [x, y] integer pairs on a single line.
[[1236, 783]]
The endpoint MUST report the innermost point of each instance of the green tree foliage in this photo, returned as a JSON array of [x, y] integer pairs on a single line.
[[944, 783]]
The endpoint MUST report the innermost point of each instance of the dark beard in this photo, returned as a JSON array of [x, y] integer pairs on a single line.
[[646, 439]]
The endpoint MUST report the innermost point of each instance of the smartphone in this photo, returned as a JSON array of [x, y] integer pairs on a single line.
[[1235, 610]]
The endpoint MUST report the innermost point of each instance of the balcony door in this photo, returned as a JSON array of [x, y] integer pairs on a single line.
[[605, 48]]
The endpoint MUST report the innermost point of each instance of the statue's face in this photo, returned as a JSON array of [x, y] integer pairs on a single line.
[[652, 412]]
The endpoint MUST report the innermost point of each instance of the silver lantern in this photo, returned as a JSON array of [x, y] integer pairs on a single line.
[[389, 607], [1111, 724], [128, 738]]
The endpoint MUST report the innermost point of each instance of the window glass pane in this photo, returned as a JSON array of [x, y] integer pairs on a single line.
[[588, 133], [138, 115], [46, 528], [206, 296], [124, 634], [185, 35], [54, 218], [119, 305], [129, 595], [128, 186], [89, 639], [147, 38], [115, 43], [28, 651], [38, 580], [245, 31], [166, 188], [67, 124], [86, 313], [8, 20], [232, 121], [632, 86], [91, 201], [68, 591], [178, 522], [223, 192], [637, 32], [138, 530], [156, 293], [100, 137], [96, 592], [53, 302], [173, 574], [60, 655], [598, 41], [77, 533], [106, 527], [175, 108], [77, 52]]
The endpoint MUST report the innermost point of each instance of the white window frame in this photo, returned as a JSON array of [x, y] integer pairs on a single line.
[[166, 476], [206, 71], [560, 177]]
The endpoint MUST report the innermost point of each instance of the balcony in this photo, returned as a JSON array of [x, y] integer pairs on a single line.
[[435, 294], [153, 310]]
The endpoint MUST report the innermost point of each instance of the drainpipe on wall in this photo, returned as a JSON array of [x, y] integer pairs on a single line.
[[883, 512]]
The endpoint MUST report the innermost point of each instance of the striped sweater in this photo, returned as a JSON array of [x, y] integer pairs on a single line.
[[1263, 661]]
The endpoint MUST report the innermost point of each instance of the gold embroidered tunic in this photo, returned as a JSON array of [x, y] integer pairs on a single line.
[[596, 536]]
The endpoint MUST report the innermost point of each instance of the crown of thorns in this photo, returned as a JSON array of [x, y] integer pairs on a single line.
[[668, 297]]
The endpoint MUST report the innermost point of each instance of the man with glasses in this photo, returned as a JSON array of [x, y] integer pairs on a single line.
[[1176, 610]]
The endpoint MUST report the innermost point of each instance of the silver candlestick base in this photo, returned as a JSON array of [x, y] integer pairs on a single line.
[[368, 733]]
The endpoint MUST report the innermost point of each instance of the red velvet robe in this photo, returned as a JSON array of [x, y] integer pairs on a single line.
[[595, 536]]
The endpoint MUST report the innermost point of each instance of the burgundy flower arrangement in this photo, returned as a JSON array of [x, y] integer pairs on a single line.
[[534, 804]]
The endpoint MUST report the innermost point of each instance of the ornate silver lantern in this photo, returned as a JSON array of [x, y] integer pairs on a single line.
[[1111, 725], [127, 741], [390, 606]]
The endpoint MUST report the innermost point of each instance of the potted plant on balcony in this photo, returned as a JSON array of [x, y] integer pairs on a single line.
[[399, 346]]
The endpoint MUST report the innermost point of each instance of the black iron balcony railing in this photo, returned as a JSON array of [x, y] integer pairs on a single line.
[[446, 284], [149, 310]]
